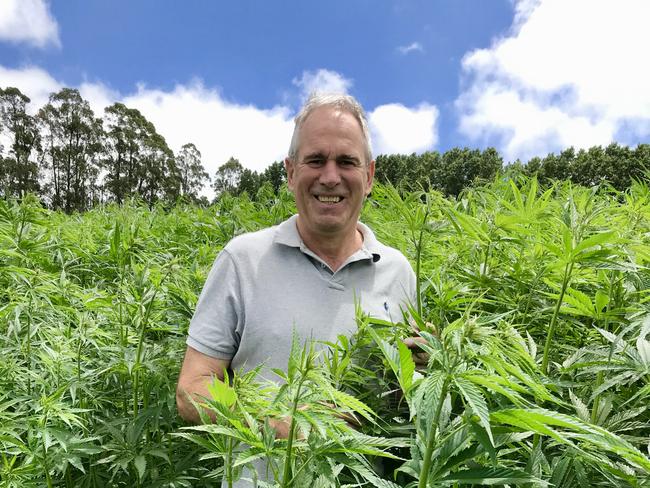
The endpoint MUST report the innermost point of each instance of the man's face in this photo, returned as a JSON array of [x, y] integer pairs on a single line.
[[330, 177]]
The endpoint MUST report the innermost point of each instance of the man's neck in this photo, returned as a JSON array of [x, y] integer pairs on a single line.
[[332, 249]]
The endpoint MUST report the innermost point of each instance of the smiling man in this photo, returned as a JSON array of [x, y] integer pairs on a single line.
[[307, 273]]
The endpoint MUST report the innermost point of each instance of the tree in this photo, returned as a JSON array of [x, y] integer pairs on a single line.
[[138, 160], [126, 131], [191, 171], [227, 177], [72, 143], [275, 175], [160, 178], [18, 170], [461, 168], [249, 183]]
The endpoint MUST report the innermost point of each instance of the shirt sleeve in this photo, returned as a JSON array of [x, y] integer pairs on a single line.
[[215, 328]]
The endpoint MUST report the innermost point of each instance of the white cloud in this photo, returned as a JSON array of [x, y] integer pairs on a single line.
[[322, 81], [414, 46], [28, 21], [398, 129], [34, 82], [568, 74], [220, 129], [98, 95]]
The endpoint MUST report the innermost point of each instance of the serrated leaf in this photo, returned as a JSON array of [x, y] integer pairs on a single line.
[[222, 392], [474, 397], [581, 409], [601, 300], [406, 367], [141, 465], [492, 476]]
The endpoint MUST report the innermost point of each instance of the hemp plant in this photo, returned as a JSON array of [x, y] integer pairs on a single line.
[[321, 448]]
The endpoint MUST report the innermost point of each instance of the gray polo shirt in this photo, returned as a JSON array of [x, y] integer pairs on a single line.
[[264, 284]]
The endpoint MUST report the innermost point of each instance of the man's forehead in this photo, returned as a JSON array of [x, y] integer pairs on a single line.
[[332, 113]]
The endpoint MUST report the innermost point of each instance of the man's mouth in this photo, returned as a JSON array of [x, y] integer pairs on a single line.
[[329, 198]]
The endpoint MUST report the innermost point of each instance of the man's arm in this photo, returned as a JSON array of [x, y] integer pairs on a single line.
[[197, 372]]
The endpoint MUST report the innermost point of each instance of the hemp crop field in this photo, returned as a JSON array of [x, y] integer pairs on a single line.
[[534, 303]]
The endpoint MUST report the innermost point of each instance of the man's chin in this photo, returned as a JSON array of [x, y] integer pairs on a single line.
[[329, 227]]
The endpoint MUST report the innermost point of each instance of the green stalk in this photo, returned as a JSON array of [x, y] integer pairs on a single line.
[[48, 478], [418, 259], [29, 346], [601, 375], [551, 328], [228, 463], [138, 357], [431, 438], [46, 468], [287, 482], [138, 354], [120, 307], [485, 261], [22, 225]]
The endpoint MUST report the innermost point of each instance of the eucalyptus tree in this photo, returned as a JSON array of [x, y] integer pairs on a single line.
[[159, 178], [275, 175], [137, 158], [72, 144], [191, 171], [227, 177], [125, 130], [18, 168]]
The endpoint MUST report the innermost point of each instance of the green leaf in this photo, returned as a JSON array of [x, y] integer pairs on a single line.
[[407, 367], [492, 476], [221, 392], [594, 240], [484, 439], [601, 299], [141, 465], [474, 397]]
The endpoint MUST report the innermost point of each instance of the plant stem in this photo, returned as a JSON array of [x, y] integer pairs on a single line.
[[551, 328], [286, 480], [418, 259], [228, 463], [485, 261], [431, 438], [138, 354], [29, 346]]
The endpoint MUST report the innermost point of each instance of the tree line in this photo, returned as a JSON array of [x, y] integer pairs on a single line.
[[74, 160], [453, 170]]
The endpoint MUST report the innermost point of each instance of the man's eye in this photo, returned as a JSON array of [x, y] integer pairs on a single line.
[[348, 162], [314, 162]]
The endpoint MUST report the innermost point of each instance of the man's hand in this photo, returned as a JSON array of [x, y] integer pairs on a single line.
[[420, 357], [282, 426]]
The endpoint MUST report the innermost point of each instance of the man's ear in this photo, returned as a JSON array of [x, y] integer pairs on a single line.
[[288, 167], [370, 175]]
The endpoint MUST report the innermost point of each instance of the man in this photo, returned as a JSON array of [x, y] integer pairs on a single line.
[[308, 272]]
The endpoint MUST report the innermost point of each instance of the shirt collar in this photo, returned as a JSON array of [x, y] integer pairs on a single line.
[[287, 234]]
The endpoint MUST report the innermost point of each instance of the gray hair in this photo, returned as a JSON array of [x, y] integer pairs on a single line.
[[340, 101]]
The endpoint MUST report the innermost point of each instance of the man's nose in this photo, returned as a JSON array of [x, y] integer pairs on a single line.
[[329, 175]]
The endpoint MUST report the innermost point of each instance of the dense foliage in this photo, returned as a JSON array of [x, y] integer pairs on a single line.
[[533, 304]]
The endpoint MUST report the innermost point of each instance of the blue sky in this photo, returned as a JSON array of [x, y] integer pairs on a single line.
[[525, 76]]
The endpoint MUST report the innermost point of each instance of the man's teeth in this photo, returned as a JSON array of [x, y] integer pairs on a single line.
[[329, 199]]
